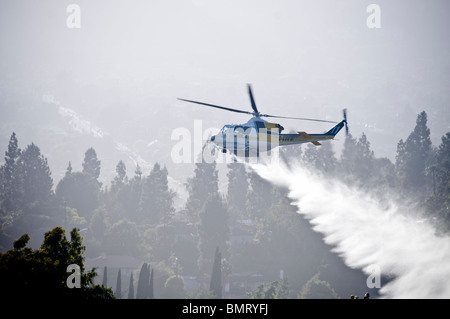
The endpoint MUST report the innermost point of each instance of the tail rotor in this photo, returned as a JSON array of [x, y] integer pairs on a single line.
[[344, 111]]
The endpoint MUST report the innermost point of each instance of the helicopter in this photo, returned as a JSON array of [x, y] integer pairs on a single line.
[[257, 135]]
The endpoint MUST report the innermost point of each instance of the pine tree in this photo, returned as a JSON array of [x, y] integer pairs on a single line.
[[11, 184], [438, 204], [357, 160], [134, 193], [204, 184], [216, 275], [347, 161], [118, 293], [156, 199], [121, 177], [138, 171], [91, 164], [69, 169], [412, 158], [36, 174], [364, 159]]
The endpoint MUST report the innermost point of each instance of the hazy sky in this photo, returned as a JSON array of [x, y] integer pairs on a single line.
[[128, 62]]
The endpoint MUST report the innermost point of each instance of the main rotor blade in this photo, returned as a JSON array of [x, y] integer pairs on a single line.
[[217, 106], [296, 118], [252, 100]]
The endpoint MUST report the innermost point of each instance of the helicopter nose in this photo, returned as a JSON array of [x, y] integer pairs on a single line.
[[213, 138]]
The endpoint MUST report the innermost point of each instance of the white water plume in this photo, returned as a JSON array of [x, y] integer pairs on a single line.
[[366, 232]]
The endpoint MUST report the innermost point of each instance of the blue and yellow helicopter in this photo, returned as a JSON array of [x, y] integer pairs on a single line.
[[258, 135]]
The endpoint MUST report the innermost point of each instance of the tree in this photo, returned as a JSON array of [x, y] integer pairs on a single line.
[[213, 231], [174, 288], [142, 287], [116, 198], [413, 156], [317, 289], [105, 277], [438, 203], [26, 194], [237, 190], [36, 177], [156, 199], [357, 160], [216, 275], [278, 289], [132, 196], [151, 293], [43, 273], [80, 191], [131, 288], [121, 171], [118, 293], [98, 224], [11, 185], [364, 158], [204, 184], [123, 239], [145, 283], [69, 169], [91, 164]]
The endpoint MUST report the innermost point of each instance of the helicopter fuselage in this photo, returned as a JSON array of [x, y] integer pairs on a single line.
[[257, 135]]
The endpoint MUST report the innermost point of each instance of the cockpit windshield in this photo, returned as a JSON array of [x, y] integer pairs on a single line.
[[227, 129], [237, 129]]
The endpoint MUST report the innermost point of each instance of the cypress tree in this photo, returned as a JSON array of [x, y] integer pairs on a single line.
[[151, 291], [105, 277], [118, 293], [216, 275], [131, 288], [143, 281]]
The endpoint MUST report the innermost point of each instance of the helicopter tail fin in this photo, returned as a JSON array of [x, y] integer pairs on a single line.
[[335, 129]]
